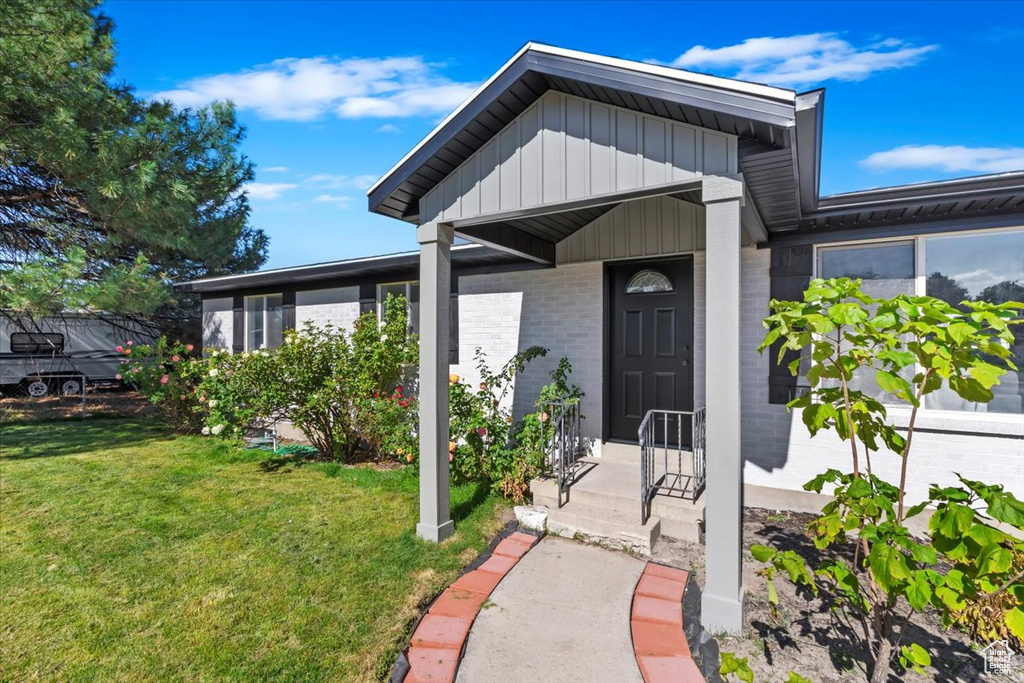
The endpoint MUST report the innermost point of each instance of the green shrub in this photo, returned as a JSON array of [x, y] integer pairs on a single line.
[[327, 383], [484, 444]]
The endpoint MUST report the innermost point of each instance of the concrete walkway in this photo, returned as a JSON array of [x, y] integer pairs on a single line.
[[561, 614]]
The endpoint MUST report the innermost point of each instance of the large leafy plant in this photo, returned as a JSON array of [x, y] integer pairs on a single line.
[[875, 571]]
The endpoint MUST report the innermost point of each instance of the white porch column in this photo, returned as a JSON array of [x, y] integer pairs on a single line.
[[722, 603], [435, 290]]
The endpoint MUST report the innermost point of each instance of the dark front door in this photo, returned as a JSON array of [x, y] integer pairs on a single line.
[[650, 352]]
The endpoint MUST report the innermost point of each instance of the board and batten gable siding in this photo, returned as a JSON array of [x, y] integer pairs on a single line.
[[642, 228], [565, 147]]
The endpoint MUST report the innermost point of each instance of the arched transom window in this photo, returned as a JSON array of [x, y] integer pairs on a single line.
[[649, 282]]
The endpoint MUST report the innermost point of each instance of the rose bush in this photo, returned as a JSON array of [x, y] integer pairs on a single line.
[[167, 374]]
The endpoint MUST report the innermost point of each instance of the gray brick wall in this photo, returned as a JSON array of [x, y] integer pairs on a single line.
[[338, 307]]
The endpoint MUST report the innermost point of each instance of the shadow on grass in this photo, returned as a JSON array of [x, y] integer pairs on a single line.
[[26, 440], [477, 495]]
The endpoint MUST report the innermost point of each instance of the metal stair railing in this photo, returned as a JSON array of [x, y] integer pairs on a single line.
[[661, 432], [564, 443]]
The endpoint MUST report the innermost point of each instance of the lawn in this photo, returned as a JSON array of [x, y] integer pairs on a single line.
[[127, 553]]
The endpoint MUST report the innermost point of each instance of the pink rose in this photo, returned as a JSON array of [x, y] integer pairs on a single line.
[[174, 359], [182, 397], [482, 431], [130, 342], [163, 380], [189, 347], [117, 376], [119, 349], [451, 457], [202, 399]]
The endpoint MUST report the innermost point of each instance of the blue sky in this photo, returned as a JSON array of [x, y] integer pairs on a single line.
[[334, 93]]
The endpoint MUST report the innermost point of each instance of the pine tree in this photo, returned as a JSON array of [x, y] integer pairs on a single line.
[[106, 197]]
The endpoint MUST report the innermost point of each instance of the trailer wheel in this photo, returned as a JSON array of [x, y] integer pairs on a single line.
[[38, 388], [71, 387]]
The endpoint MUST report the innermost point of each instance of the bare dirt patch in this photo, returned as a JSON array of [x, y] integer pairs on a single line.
[[808, 637]]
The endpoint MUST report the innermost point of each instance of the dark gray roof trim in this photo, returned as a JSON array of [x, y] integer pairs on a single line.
[[745, 110], [989, 201], [463, 256]]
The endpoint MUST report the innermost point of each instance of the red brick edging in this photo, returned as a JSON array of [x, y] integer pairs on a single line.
[[437, 643], [656, 623]]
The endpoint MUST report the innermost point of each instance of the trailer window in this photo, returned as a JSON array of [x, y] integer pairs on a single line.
[[31, 343]]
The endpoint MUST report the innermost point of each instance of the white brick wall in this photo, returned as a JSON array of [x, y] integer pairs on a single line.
[[558, 308], [338, 307], [779, 453], [561, 309], [218, 323]]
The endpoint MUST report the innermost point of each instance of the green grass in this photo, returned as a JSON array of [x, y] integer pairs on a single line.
[[129, 554]]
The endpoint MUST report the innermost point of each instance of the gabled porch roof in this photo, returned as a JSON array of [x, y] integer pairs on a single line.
[[768, 121]]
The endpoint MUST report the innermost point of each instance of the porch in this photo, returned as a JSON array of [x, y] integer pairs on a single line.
[[552, 150]]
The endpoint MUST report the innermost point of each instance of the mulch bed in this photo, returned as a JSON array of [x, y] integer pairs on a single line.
[[807, 637]]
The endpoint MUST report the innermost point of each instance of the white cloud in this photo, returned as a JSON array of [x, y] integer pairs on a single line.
[[303, 89], [341, 201], [389, 128], [948, 158], [331, 181], [275, 169], [267, 191], [804, 59]]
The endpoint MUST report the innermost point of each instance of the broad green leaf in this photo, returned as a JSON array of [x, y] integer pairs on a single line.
[[762, 553], [847, 314], [773, 595], [959, 331], [888, 565], [919, 591], [794, 677], [1015, 621]]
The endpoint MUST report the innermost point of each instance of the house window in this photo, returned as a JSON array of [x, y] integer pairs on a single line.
[[411, 292], [979, 267], [976, 266], [648, 282], [264, 322], [887, 269], [36, 343]]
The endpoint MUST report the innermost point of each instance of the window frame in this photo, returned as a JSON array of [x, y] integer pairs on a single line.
[[381, 298], [264, 311], [920, 289], [56, 345]]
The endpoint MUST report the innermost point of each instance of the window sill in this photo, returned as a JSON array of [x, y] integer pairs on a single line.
[[961, 422]]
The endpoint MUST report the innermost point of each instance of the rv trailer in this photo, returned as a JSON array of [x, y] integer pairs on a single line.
[[64, 353]]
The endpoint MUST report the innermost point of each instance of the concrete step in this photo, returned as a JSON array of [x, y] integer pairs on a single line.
[[610, 528], [614, 488], [620, 452]]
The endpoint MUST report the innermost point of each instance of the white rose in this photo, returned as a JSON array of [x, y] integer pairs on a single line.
[[213, 372], [217, 429], [213, 403], [206, 431], [383, 337]]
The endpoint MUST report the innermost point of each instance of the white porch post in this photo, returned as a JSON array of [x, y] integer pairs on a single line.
[[435, 289], [722, 603]]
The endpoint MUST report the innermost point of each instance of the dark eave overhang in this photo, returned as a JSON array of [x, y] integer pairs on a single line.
[[464, 258], [990, 201]]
